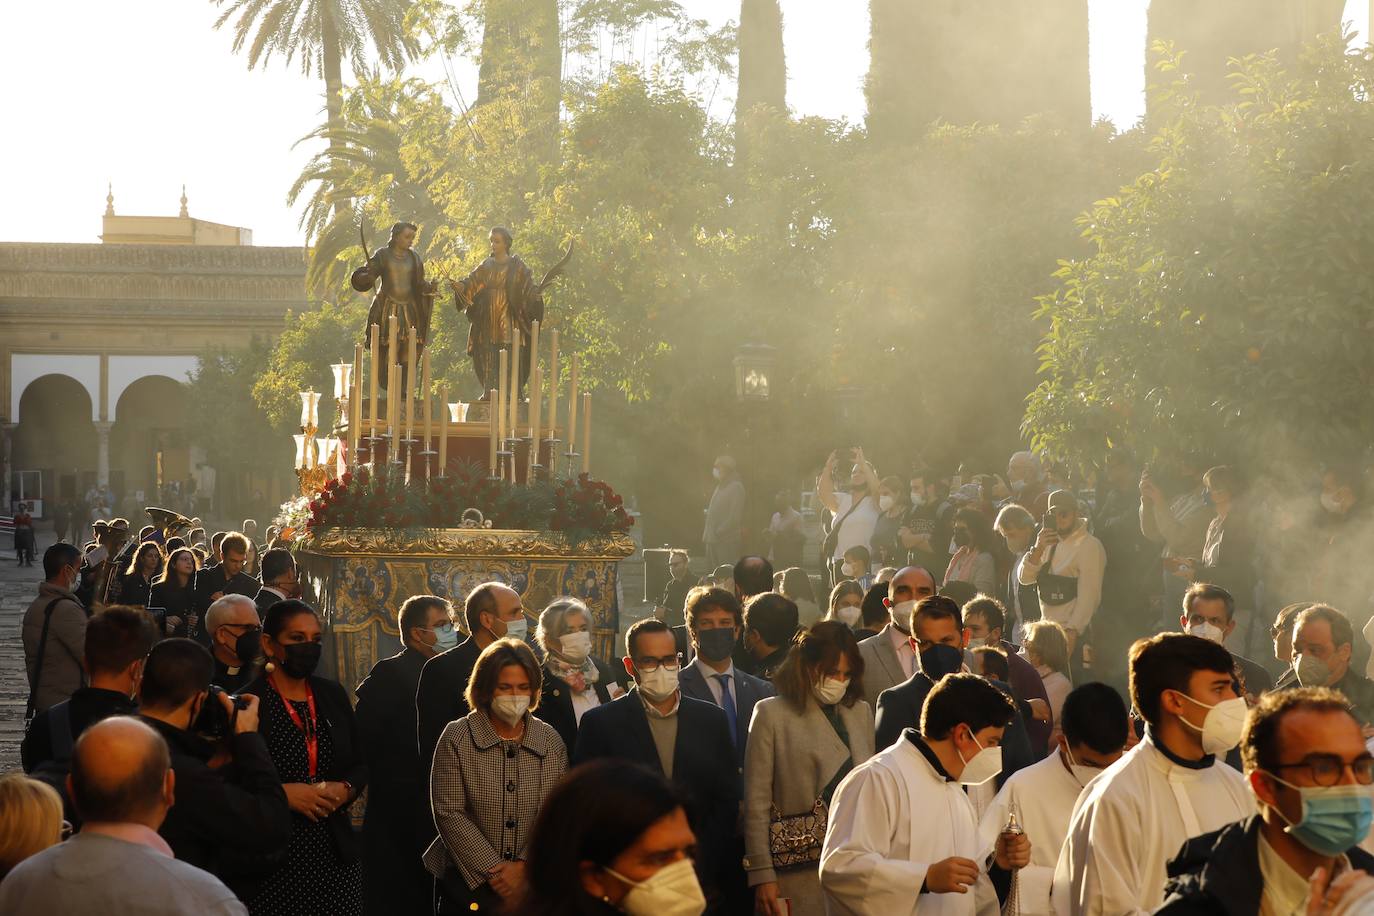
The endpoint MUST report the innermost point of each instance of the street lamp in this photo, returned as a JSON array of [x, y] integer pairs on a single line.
[[754, 365]]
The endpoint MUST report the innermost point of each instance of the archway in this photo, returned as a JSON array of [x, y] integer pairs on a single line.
[[149, 454], [55, 442]]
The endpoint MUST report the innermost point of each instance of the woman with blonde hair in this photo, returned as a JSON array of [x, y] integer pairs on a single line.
[[30, 819], [1047, 648], [574, 679]]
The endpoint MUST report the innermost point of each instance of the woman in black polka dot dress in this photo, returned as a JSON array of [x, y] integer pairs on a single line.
[[308, 725]]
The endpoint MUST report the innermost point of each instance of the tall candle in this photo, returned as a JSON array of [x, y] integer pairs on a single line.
[[408, 373], [572, 410], [396, 402], [536, 401], [392, 358], [587, 433], [372, 385], [492, 397], [554, 383], [425, 383], [499, 406], [534, 350], [443, 421], [514, 418], [391, 394], [355, 410]]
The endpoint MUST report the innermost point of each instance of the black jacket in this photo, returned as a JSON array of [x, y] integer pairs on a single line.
[[703, 768], [238, 679], [397, 825], [439, 699], [177, 602], [87, 706], [1219, 872], [232, 821], [212, 579], [555, 702], [899, 708], [336, 714]]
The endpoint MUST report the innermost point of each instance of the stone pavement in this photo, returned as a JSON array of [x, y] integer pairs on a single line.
[[18, 585]]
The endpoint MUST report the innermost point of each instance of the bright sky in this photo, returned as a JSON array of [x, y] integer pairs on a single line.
[[152, 100]]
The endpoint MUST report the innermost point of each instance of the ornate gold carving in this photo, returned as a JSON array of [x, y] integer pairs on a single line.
[[442, 542]]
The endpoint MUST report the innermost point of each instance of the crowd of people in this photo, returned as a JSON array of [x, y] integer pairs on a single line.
[[996, 709]]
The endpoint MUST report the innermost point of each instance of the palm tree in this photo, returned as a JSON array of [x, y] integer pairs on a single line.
[[321, 34], [522, 59]]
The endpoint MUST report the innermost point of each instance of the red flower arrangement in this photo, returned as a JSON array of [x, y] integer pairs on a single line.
[[582, 508]]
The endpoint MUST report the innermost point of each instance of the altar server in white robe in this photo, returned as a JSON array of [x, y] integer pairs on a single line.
[[1094, 724], [1171, 787], [903, 837]]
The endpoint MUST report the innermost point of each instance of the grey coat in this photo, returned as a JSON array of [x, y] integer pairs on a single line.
[[66, 647], [486, 792], [791, 758], [882, 667]]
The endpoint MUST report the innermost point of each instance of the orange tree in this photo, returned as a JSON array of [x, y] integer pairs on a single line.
[[1228, 301]]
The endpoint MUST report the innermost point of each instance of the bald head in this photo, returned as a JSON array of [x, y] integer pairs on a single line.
[[912, 583], [231, 609], [121, 773]]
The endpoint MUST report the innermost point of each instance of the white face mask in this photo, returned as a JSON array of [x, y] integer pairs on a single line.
[[510, 709], [848, 570], [575, 646], [1081, 774], [1209, 631], [829, 690], [886, 503], [673, 890], [659, 684], [848, 614], [917, 498], [977, 642], [984, 765], [1331, 503], [901, 613], [715, 472], [1222, 728]]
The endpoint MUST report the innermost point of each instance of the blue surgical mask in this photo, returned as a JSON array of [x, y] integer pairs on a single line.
[[517, 629], [1334, 818], [445, 637]]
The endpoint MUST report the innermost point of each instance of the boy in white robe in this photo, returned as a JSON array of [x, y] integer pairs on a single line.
[[903, 837], [1171, 787], [1043, 796]]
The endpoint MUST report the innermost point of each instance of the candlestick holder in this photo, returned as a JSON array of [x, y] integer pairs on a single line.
[[572, 458], [429, 455], [505, 459]]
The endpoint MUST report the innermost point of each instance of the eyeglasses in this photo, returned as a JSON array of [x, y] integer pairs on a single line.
[[1327, 769], [649, 664]]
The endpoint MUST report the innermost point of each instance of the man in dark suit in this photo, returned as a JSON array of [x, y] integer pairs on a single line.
[[715, 621], [686, 740], [228, 578], [279, 580], [492, 610], [397, 826], [938, 632]]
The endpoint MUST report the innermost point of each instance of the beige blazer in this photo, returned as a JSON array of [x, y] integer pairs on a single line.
[[790, 758]]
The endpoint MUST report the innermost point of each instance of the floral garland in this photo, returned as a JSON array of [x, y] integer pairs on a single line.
[[581, 508]]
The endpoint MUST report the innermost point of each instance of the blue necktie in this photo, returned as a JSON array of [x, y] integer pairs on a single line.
[[727, 703]]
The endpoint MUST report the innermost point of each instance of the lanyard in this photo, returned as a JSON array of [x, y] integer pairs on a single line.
[[308, 729]]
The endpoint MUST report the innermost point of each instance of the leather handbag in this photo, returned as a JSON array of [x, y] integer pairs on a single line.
[[796, 839]]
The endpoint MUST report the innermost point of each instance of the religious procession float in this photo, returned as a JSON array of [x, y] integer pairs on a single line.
[[407, 497]]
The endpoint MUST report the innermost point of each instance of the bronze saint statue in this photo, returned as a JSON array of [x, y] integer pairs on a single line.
[[405, 296], [500, 293]]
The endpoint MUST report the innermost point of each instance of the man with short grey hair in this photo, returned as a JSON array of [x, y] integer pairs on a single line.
[[122, 786], [235, 640]]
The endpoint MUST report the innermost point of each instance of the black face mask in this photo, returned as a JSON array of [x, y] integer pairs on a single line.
[[248, 647], [301, 659], [962, 538]]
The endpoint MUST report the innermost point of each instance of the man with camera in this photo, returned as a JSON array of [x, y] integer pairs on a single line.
[[231, 819]]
